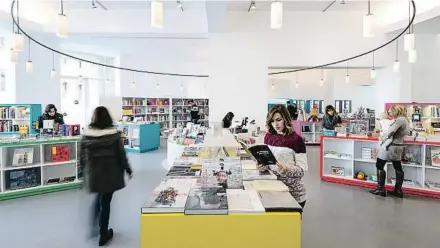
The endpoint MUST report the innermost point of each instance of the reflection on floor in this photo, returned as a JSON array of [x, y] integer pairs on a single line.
[[335, 215]]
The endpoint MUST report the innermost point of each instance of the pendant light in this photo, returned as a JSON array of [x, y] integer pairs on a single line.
[[14, 56], [347, 76], [321, 83], [18, 38], [2, 81], [80, 72], [53, 72], [369, 22], [29, 64], [62, 23], [412, 56], [409, 38], [297, 81], [133, 84], [80, 86], [373, 70], [273, 86], [181, 87], [276, 15], [396, 65], [157, 14], [157, 86]]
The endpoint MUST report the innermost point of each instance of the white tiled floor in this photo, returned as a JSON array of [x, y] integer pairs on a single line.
[[335, 215]]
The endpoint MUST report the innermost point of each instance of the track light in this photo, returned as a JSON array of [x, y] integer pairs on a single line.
[[157, 14], [369, 22], [276, 15], [62, 23], [252, 6]]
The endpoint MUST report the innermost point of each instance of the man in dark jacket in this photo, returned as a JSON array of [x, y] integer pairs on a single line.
[[51, 113], [293, 110], [105, 163]]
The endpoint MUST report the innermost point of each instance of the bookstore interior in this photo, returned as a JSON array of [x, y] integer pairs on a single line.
[[214, 139]]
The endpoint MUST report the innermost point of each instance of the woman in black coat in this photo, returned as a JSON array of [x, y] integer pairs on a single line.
[[105, 163], [227, 120], [331, 118]]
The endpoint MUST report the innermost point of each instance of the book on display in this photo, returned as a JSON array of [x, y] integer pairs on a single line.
[[226, 173], [167, 199], [187, 161], [258, 175], [265, 185], [279, 202], [207, 200], [263, 154], [182, 171], [181, 182], [244, 201], [191, 151]]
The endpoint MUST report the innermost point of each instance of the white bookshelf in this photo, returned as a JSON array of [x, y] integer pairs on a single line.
[[416, 162], [42, 167]]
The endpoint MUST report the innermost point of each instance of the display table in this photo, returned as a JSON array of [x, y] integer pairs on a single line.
[[342, 158], [50, 165], [174, 151], [219, 231]]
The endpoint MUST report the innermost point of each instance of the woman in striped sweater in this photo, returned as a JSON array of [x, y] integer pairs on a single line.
[[289, 150]]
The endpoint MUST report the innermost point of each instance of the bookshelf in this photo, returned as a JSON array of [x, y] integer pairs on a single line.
[[181, 111], [310, 131], [158, 110], [12, 116], [49, 165]]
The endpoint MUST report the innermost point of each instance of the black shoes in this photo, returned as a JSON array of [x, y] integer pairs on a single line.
[[104, 239], [380, 190], [397, 192]]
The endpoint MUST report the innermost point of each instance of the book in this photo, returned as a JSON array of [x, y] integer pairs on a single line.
[[226, 173], [23, 156], [191, 151], [207, 200], [187, 161], [265, 185], [279, 202], [258, 175], [177, 170], [433, 185], [263, 154], [435, 157], [182, 182], [166, 199], [244, 201]]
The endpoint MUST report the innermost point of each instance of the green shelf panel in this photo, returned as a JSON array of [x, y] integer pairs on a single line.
[[34, 142], [38, 190]]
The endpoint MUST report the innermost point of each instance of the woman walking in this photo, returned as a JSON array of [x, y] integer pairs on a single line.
[[105, 163], [391, 149]]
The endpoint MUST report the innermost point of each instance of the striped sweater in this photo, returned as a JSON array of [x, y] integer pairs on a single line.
[[290, 150]]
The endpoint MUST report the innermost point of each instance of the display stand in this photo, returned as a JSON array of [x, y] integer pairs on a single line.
[[341, 158], [14, 116], [310, 131], [140, 138], [32, 167], [219, 231]]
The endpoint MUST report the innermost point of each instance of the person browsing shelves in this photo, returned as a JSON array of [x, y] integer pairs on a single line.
[[289, 150]]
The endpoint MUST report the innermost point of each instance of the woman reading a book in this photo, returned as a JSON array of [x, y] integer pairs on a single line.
[[289, 150], [391, 149]]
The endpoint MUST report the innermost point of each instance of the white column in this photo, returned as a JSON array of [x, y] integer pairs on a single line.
[[238, 77]]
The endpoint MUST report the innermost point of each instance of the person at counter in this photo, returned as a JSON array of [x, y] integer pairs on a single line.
[[331, 118], [227, 120], [51, 113], [391, 149], [195, 115]]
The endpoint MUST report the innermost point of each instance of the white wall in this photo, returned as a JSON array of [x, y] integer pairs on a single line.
[[8, 95]]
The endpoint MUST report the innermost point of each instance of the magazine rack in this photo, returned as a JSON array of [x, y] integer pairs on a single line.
[[342, 158], [38, 166]]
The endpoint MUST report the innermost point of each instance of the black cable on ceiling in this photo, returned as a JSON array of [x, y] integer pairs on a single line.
[[359, 55]]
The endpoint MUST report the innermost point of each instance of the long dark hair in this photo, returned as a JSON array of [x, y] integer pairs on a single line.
[[49, 107], [227, 120], [101, 118], [282, 110]]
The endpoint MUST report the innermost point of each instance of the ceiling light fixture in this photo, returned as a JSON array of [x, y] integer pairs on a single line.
[[396, 65], [80, 71], [62, 23], [347, 76], [273, 86], [157, 14], [373, 70], [412, 56], [297, 81], [93, 4], [369, 22], [29, 64], [14, 56], [133, 84], [157, 86], [181, 87], [18, 37], [321, 83], [276, 15], [53, 72], [179, 5], [252, 6]]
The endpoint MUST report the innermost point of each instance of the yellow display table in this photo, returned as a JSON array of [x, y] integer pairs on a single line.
[[280, 230]]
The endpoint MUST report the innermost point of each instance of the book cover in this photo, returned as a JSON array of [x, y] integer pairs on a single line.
[[191, 151], [23, 156], [435, 157], [226, 173], [265, 185], [279, 202], [263, 154], [244, 201], [166, 199], [177, 170], [258, 175], [207, 200]]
